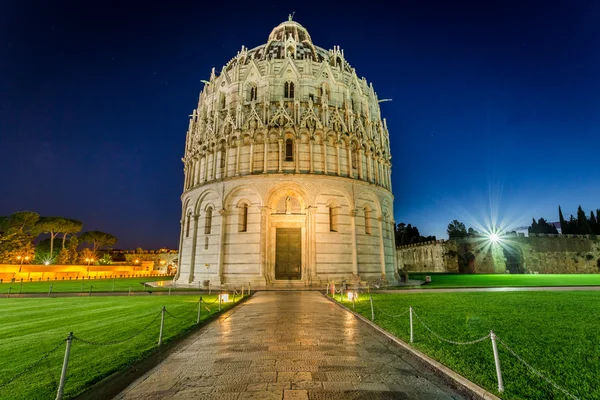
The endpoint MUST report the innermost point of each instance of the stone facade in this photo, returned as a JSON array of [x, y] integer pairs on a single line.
[[543, 254], [286, 137]]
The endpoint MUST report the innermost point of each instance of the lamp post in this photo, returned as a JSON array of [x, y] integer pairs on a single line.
[[21, 259], [89, 260]]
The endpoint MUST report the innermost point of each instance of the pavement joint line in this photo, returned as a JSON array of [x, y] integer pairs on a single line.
[[456, 377]]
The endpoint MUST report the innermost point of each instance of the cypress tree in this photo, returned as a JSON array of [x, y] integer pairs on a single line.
[[534, 227], [583, 224], [593, 223], [563, 224]]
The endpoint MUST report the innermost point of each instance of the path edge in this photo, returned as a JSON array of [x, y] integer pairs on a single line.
[[113, 384], [453, 375]]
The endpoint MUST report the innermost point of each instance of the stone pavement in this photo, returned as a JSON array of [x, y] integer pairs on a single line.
[[288, 345]]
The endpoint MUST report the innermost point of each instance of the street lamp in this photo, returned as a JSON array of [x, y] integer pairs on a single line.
[[89, 260], [26, 258]]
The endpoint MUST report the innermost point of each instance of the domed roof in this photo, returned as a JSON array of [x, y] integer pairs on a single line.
[[290, 28]]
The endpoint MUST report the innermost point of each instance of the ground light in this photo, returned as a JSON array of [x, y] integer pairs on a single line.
[[352, 296], [224, 297]]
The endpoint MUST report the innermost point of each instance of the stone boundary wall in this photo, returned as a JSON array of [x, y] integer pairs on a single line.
[[543, 254], [36, 273]]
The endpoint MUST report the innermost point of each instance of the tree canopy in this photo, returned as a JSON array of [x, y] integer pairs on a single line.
[[97, 239], [457, 230]]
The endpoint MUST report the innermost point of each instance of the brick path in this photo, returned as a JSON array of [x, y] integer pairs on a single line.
[[288, 345]]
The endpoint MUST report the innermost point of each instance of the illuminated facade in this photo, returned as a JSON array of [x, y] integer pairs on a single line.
[[287, 171]]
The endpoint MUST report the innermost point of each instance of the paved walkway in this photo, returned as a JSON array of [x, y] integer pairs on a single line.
[[288, 345], [496, 289]]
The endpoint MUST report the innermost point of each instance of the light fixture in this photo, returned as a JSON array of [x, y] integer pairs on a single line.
[[352, 296], [224, 297]]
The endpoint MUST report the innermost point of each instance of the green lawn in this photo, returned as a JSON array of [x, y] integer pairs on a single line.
[[29, 328], [496, 280], [558, 333], [77, 286]]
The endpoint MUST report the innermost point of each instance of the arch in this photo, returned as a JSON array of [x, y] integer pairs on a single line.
[[289, 150], [288, 90], [243, 215], [208, 220], [252, 92], [201, 202], [233, 192], [287, 188]]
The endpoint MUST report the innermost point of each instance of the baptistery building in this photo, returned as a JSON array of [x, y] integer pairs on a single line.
[[287, 171]]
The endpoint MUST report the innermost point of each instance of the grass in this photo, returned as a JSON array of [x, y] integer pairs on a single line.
[[83, 285], [556, 332], [439, 281], [30, 328]]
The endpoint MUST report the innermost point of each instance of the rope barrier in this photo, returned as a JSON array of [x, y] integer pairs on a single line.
[[31, 366], [447, 340], [392, 315], [113, 342], [185, 314], [535, 371], [210, 304]]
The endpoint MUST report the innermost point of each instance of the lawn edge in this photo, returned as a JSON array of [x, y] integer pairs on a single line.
[[436, 365], [112, 385]]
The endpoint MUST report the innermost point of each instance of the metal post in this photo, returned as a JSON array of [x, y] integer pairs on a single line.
[[209, 288], [21, 287], [234, 295], [169, 291], [63, 374], [497, 362], [50, 291], [8, 293], [353, 300], [91, 290], [372, 310], [411, 324], [199, 310], [162, 324], [242, 292], [129, 290], [249, 286], [219, 302]]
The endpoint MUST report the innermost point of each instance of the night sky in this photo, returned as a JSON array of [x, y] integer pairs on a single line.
[[495, 111]]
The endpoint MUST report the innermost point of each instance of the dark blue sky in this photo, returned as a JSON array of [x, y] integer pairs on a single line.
[[496, 105]]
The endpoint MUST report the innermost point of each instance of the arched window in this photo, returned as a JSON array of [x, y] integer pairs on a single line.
[[355, 158], [243, 218], [368, 222], [253, 93], [325, 92], [333, 218], [289, 150], [222, 100], [208, 221], [288, 90], [188, 223]]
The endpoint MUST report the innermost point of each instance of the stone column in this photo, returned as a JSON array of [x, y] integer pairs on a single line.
[[226, 167], [237, 157], [337, 148], [369, 169], [297, 156], [265, 159], [360, 162], [312, 256], [311, 142], [182, 226], [381, 245], [390, 177], [194, 241], [354, 256], [214, 166], [221, 255], [251, 167], [280, 169], [264, 231], [206, 166], [349, 152], [325, 156]]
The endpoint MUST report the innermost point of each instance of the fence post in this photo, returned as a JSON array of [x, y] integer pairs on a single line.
[[242, 292], [411, 324], [91, 290], [234, 291], [209, 288], [50, 291], [249, 286], [497, 362], [63, 374], [219, 301], [169, 291], [372, 311], [199, 310], [21, 287], [129, 290], [353, 300], [8, 293], [162, 324]]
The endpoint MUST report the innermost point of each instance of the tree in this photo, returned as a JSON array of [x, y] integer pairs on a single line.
[[583, 225], [563, 224], [70, 227], [456, 230], [69, 254], [533, 228], [593, 223], [53, 226], [16, 238], [105, 260], [542, 226], [22, 221], [86, 254], [97, 239], [472, 232]]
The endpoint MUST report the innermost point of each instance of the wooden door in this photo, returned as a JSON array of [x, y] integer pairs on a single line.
[[288, 258]]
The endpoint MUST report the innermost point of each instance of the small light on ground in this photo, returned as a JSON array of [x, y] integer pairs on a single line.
[[352, 296], [224, 297]]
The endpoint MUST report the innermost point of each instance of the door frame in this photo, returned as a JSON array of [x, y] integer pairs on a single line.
[[278, 220], [297, 231]]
